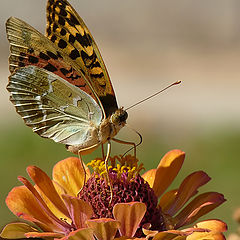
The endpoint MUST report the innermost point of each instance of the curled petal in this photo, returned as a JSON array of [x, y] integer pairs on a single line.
[[187, 189], [61, 224], [166, 171], [53, 208], [198, 207], [44, 183], [213, 225], [130, 216], [23, 204], [104, 228], [69, 174], [167, 200], [79, 210], [147, 231], [16, 230]]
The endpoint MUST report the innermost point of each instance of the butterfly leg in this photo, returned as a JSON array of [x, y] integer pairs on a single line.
[[103, 154], [80, 158], [127, 143], [106, 167]]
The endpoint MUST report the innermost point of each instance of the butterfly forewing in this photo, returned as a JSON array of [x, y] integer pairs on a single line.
[[29, 47], [67, 30], [52, 107]]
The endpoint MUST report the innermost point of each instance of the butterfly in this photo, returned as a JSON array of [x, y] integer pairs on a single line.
[[59, 83]]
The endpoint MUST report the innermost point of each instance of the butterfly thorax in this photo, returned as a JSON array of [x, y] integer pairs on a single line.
[[112, 125], [119, 117]]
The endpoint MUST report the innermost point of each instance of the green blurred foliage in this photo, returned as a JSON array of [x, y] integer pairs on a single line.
[[215, 153]]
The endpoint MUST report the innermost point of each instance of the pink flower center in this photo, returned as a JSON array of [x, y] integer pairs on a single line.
[[97, 193]]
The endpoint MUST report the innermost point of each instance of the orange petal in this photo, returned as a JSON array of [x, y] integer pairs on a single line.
[[70, 175], [167, 200], [213, 225], [206, 235], [198, 207], [80, 234], [16, 230], [127, 238], [130, 216], [104, 228], [43, 235], [187, 189], [147, 231], [23, 204], [61, 224], [51, 206], [150, 176], [167, 170], [45, 184], [168, 236], [79, 210]]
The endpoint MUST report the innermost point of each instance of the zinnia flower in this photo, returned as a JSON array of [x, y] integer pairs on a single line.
[[66, 208]]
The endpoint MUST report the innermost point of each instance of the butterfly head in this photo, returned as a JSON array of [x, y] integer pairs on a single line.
[[119, 117]]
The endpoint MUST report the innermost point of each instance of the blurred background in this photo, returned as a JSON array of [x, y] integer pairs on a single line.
[[146, 45]]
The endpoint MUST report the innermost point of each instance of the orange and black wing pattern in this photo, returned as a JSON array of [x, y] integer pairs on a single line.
[[68, 32]]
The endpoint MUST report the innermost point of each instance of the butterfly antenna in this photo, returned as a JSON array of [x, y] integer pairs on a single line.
[[153, 95], [140, 141]]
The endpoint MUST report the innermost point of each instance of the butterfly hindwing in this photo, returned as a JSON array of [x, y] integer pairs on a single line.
[[53, 107], [67, 30]]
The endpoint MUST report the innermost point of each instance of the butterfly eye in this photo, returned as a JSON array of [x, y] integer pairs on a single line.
[[123, 116], [119, 117]]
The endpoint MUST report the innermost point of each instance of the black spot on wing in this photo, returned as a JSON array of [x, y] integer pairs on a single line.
[[74, 54], [71, 39], [62, 44], [63, 32], [52, 55], [64, 71], [59, 54], [53, 16], [83, 40], [31, 50], [61, 21], [49, 19], [55, 27], [63, 12], [44, 56], [83, 85], [33, 59], [20, 58], [50, 67], [95, 64], [98, 75], [49, 31], [72, 21], [53, 38], [61, 3], [88, 60]]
